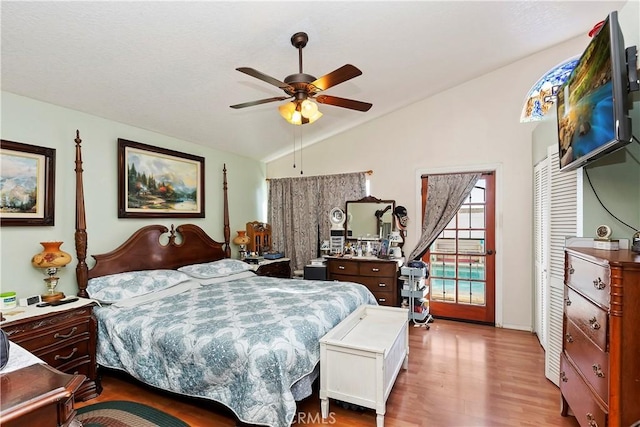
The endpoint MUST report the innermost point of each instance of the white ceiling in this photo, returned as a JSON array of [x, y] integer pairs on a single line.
[[169, 67]]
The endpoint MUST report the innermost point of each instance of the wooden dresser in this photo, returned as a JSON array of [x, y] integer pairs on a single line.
[[379, 275], [600, 361], [65, 338]]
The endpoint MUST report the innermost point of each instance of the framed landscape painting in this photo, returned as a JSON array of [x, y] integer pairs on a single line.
[[155, 182], [27, 184]]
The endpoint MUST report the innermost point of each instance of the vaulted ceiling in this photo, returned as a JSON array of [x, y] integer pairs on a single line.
[[169, 67]]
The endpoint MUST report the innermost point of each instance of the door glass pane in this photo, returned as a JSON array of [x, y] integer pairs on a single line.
[[477, 216], [443, 290], [444, 245], [477, 193], [464, 218]]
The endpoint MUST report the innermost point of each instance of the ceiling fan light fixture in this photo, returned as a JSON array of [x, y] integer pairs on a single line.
[[308, 108], [294, 113]]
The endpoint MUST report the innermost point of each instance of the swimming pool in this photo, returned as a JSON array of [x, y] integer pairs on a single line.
[[470, 284]]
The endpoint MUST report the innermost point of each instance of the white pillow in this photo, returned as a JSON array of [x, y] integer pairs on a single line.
[[116, 287], [220, 268]]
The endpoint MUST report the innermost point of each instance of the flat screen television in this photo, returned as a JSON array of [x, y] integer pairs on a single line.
[[593, 103]]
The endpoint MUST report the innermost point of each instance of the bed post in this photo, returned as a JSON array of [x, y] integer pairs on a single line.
[[81, 225], [227, 230]]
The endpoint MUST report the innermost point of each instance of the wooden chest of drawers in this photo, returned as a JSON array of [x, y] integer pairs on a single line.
[[600, 361], [380, 276], [66, 340]]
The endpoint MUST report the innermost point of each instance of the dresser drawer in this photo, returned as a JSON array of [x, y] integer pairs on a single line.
[[384, 298], [588, 358], [591, 319], [589, 279], [585, 408], [372, 268], [374, 284], [58, 356], [342, 267], [53, 336]]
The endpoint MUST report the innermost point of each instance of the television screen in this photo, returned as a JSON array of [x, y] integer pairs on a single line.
[[592, 105]]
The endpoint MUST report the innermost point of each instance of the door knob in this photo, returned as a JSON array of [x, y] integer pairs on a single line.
[[489, 251]]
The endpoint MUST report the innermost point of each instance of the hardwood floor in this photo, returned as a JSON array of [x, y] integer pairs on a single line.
[[459, 375]]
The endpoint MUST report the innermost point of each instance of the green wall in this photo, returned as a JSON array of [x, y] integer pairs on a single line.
[[33, 122]]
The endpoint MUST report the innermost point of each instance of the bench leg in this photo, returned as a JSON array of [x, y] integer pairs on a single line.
[[380, 420], [324, 407]]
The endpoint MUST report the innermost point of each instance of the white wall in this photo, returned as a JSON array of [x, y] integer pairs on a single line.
[[466, 127], [37, 123]]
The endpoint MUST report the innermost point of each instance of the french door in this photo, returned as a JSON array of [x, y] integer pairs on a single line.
[[461, 260]]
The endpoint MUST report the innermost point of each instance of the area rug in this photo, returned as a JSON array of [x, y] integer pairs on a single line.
[[119, 413]]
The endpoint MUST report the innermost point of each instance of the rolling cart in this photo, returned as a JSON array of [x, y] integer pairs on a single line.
[[413, 290]]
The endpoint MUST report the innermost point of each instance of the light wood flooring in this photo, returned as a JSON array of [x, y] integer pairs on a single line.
[[460, 375]]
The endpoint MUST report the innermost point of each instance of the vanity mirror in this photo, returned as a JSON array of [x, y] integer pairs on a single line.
[[369, 218]]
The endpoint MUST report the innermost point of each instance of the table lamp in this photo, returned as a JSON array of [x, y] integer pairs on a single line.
[[50, 260], [241, 240]]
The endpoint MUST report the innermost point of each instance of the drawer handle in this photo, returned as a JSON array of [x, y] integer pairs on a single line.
[[571, 270], [598, 284], [597, 371], [58, 357], [594, 323], [569, 337], [59, 335], [375, 270], [341, 267], [382, 285], [592, 420], [563, 377], [567, 301], [382, 300]]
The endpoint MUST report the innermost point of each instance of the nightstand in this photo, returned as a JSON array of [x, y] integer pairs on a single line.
[[38, 395], [62, 336], [273, 268]]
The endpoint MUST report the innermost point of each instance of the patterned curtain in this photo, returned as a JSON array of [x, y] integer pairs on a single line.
[[334, 191], [299, 207], [445, 195]]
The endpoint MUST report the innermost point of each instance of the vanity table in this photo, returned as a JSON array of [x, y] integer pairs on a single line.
[[379, 275]]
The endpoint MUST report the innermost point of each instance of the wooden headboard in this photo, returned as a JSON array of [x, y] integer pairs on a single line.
[[144, 249]]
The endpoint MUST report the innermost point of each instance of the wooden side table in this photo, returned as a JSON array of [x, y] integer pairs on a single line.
[[38, 395], [62, 336]]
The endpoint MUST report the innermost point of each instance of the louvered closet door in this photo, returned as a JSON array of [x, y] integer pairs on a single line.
[[541, 248], [562, 224]]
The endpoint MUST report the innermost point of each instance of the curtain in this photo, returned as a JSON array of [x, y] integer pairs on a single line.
[[445, 195], [299, 207], [334, 191]]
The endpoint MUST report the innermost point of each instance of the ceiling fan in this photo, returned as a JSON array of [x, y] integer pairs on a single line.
[[304, 88]]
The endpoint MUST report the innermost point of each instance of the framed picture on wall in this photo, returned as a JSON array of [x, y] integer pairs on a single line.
[[27, 184], [155, 182]]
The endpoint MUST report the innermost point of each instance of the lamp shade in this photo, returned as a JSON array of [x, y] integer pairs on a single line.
[[51, 256], [241, 238]]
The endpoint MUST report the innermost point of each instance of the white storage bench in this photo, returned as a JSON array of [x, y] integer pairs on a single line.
[[360, 358]]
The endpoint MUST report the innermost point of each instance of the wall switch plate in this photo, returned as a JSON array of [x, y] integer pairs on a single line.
[[34, 299]]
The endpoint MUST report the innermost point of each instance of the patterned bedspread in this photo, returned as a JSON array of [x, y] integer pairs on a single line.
[[243, 342]]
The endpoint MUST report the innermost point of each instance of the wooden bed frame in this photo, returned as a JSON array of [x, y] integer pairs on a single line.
[[187, 244]]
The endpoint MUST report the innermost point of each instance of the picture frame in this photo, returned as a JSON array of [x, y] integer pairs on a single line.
[[155, 182], [384, 248], [27, 184]]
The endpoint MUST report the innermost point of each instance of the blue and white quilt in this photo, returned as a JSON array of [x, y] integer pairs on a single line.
[[242, 342]]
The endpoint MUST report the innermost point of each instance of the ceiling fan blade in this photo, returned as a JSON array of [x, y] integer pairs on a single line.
[[343, 102], [260, 101], [258, 75], [342, 74]]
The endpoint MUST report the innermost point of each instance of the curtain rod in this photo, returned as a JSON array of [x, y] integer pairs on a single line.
[[369, 172]]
